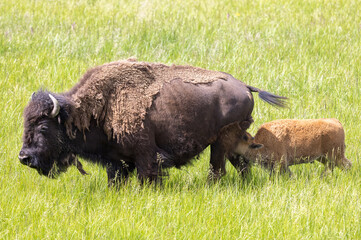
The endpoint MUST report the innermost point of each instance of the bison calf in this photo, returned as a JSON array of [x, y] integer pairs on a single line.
[[229, 138], [281, 143]]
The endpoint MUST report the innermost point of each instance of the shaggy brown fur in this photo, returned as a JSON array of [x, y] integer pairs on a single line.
[[130, 115], [288, 142], [119, 93]]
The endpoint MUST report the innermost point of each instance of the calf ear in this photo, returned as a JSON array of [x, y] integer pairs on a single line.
[[244, 125], [256, 146]]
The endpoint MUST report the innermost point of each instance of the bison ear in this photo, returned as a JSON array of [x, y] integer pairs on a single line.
[[256, 146]]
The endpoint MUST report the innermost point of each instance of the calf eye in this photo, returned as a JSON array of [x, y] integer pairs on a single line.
[[245, 138]]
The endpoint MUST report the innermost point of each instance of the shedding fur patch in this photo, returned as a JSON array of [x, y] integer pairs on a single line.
[[249, 95], [118, 94]]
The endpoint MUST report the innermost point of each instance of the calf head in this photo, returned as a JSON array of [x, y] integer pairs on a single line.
[[245, 143], [45, 142], [236, 140]]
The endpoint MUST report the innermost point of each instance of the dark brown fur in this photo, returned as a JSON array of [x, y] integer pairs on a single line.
[[132, 115]]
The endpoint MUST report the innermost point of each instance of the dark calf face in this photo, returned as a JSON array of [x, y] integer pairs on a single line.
[[246, 143], [44, 139]]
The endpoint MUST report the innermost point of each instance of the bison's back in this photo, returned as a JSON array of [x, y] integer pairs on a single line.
[[120, 93]]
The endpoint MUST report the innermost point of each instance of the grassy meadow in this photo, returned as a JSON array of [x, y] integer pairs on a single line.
[[307, 50]]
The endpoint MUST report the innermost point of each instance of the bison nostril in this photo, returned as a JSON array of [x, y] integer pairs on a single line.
[[24, 159]]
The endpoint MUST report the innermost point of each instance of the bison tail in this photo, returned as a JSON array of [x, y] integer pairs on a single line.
[[270, 98]]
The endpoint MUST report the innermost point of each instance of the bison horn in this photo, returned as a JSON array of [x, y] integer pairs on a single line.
[[56, 108]]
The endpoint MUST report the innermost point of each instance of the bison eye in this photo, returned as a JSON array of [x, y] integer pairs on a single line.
[[43, 128]]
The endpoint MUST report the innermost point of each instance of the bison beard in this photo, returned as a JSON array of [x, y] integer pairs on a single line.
[[131, 115]]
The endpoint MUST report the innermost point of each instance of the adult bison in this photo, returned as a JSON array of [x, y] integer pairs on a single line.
[[129, 115]]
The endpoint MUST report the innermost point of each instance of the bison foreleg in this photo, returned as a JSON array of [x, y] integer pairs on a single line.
[[148, 167], [118, 171]]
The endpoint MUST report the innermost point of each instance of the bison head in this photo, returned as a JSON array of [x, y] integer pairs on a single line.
[[46, 145]]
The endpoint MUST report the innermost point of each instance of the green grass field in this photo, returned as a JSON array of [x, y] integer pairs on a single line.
[[309, 51]]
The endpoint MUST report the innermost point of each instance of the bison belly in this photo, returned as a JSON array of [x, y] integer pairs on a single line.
[[188, 117]]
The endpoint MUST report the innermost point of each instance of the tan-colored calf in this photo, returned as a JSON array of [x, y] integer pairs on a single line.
[[288, 142]]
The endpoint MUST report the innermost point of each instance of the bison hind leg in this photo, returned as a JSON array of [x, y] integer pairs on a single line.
[[217, 161]]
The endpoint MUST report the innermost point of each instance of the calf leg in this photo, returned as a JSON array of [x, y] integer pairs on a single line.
[[327, 162], [272, 169], [280, 168], [283, 166], [217, 162], [241, 164], [334, 157], [284, 169], [341, 161], [344, 163]]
